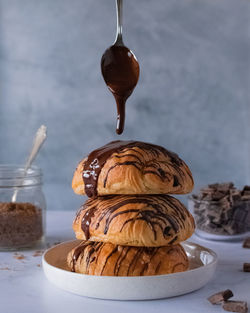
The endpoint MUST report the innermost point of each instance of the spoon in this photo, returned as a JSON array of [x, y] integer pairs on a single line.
[[120, 70], [39, 139]]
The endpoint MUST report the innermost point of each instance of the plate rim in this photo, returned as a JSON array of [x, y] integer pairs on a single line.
[[221, 238], [211, 264]]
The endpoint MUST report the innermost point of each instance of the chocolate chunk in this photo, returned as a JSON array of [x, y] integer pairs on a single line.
[[217, 195], [222, 209], [221, 296], [235, 306], [246, 243], [246, 188], [213, 186], [245, 197], [246, 267], [245, 193]]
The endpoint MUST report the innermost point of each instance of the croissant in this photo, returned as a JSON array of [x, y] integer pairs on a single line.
[[107, 259], [132, 167], [135, 220]]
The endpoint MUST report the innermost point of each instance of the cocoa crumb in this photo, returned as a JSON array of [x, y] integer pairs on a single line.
[[38, 253], [18, 256]]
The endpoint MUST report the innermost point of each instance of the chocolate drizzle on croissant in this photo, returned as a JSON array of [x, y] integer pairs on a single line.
[[131, 226], [98, 157], [158, 212], [125, 260]]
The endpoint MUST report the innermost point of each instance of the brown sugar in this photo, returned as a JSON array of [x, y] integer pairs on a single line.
[[20, 224]]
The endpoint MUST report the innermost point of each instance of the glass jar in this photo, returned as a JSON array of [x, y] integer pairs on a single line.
[[215, 221], [22, 207]]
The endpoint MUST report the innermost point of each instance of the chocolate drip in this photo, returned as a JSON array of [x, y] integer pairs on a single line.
[[98, 158], [118, 164], [166, 231], [173, 240], [93, 246], [86, 220], [122, 257], [78, 250], [109, 256], [135, 258], [176, 182]]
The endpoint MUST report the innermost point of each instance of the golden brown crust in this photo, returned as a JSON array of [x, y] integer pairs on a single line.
[[139, 169], [135, 220], [106, 259]]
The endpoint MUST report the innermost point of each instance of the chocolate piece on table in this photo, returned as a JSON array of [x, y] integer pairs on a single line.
[[246, 267], [246, 243], [221, 296], [235, 306]]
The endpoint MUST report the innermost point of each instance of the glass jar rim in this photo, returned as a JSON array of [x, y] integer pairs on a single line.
[[15, 171], [192, 197]]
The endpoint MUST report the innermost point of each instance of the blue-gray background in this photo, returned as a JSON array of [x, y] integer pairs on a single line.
[[192, 96]]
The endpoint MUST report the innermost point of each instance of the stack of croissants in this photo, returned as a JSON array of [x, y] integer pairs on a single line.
[[130, 225]]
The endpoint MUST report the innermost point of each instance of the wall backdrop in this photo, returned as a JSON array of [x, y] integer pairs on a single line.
[[192, 96]]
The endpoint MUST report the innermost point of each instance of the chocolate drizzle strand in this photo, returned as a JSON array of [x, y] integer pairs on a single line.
[[86, 220], [97, 158]]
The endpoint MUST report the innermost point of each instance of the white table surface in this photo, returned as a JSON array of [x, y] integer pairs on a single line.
[[24, 288]]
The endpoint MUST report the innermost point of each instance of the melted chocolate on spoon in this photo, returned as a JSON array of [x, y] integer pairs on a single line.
[[120, 71]]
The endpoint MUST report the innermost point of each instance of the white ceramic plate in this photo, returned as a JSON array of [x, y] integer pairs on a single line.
[[202, 266], [230, 238]]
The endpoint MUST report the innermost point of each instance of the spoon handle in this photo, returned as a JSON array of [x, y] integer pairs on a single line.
[[118, 40], [37, 143]]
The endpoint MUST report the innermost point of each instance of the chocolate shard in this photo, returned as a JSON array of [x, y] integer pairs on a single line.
[[220, 297], [246, 188], [235, 306], [246, 267], [246, 193], [246, 243]]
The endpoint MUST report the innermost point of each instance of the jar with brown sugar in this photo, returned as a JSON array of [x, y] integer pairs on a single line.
[[22, 207]]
